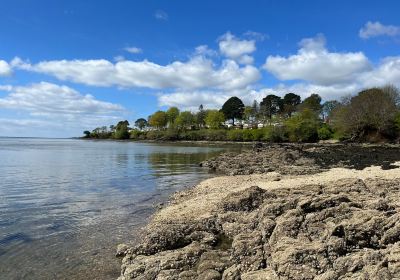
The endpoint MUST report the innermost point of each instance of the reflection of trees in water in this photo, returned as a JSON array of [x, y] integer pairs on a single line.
[[176, 162]]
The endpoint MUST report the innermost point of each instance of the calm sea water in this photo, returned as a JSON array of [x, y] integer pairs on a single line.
[[66, 204]]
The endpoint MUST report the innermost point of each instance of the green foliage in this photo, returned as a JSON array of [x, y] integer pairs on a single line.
[[171, 114], [325, 132], [274, 134], [312, 103], [235, 135], [233, 108], [185, 120], [201, 116], [158, 120], [87, 133], [214, 119], [303, 127], [141, 123], [137, 134], [290, 102], [270, 105]]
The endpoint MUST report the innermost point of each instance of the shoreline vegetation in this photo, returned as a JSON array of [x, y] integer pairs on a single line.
[[372, 115], [281, 211]]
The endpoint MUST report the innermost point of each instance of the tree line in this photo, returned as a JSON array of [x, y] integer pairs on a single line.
[[371, 115]]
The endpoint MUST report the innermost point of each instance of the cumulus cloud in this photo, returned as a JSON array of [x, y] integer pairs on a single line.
[[198, 72], [314, 63], [237, 49], [134, 50], [51, 100], [5, 68], [375, 29]]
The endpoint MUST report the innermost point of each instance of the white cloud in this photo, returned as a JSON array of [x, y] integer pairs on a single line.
[[198, 72], [5, 68], [205, 51], [387, 72], [50, 100], [236, 49], [375, 29], [134, 50], [315, 64], [161, 15]]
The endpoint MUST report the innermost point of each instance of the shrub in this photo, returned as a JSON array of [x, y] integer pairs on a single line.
[[325, 132], [216, 135], [274, 134], [303, 127], [136, 134], [154, 135], [247, 135], [257, 134], [235, 135]]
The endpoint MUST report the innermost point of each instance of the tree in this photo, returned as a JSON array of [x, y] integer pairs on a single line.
[[185, 120], [290, 102], [172, 114], [270, 105], [303, 127], [141, 123], [201, 116], [158, 120], [255, 108], [122, 130], [313, 103], [248, 113], [328, 107], [214, 119], [233, 109], [371, 113], [87, 133]]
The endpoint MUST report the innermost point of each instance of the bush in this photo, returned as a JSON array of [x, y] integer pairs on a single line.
[[303, 127], [235, 135], [274, 134], [325, 132], [257, 134], [154, 135], [216, 135], [137, 134], [193, 135]]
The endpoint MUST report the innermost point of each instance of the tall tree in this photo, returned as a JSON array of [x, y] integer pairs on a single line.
[[172, 114], [158, 120], [214, 119], [141, 123], [371, 111], [313, 103], [201, 116], [122, 130], [185, 120], [290, 103], [233, 109], [270, 105]]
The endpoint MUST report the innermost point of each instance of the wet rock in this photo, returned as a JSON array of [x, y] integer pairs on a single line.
[[121, 250]]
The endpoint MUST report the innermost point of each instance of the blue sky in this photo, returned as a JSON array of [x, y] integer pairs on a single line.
[[68, 66]]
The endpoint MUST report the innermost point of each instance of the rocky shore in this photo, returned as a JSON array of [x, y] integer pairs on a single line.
[[283, 212]]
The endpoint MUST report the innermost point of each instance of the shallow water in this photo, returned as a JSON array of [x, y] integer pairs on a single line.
[[65, 204]]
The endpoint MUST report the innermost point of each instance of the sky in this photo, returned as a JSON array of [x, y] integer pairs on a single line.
[[70, 66]]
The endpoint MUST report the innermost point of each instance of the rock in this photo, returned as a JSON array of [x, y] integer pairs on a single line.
[[343, 229], [121, 250]]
